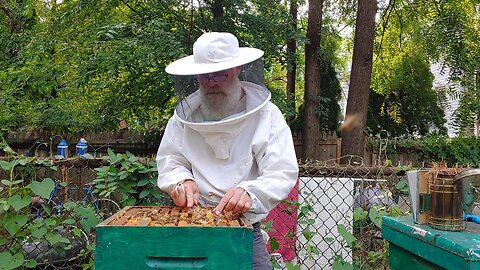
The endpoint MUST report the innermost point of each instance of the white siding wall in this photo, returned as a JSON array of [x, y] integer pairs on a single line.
[[441, 82]]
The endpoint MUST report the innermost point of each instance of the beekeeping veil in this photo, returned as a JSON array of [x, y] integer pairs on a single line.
[[213, 52]]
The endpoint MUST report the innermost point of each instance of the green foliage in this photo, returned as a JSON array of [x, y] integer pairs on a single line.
[[94, 63], [305, 217], [87, 65], [365, 219], [403, 101], [129, 180], [329, 108], [468, 110], [20, 225], [456, 151], [444, 32]]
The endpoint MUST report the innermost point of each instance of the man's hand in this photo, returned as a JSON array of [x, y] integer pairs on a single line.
[[236, 200], [185, 194]]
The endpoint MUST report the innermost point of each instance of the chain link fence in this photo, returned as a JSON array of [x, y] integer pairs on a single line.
[[338, 217], [329, 207]]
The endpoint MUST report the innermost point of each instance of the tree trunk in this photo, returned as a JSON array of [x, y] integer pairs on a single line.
[[353, 135], [13, 21], [218, 20], [311, 122], [291, 58], [217, 9]]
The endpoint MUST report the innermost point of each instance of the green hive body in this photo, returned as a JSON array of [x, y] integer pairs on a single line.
[[172, 247]]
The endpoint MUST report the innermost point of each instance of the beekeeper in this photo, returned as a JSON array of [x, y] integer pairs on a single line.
[[226, 146]]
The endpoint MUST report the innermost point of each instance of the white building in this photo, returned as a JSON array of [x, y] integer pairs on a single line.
[[453, 95]]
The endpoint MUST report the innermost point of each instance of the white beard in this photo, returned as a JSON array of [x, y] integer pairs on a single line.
[[220, 102]]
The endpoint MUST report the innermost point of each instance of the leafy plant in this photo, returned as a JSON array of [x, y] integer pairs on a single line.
[[27, 222], [365, 219], [305, 218], [130, 180]]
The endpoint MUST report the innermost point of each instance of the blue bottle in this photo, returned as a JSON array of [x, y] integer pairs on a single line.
[[81, 147], [62, 149]]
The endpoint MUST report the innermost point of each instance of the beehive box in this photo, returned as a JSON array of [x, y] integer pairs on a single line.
[[159, 237], [421, 247]]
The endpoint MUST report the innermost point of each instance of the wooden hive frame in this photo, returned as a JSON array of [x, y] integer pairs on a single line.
[[172, 216]]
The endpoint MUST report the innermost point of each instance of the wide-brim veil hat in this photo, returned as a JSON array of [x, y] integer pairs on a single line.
[[212, 52]]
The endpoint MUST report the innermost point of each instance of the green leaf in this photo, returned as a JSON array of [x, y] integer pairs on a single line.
[[153, 181], [7, 166], [76, 231], [375, 217], [7, 182], [9, 150], [30, 263], [7, 261], [87, 156], [268, 226], [55, 238], [347, 236], [100, 186], [112, 171], [113, 158], [18, 202], [125, 164], [14, 223], [40, 232], [70, 205], [308, 234], [329, 239], [129, 201], [402, 185], [144, 193], [143, 182], [339, 264], [17, 181], [69, 221], [395, 210], [88, 216], [132, 158], [291, 266], [42, 189], [122, 175], [313, 249], [359, 214], [2, 241], [50, 222], [155, 193], [274, 245]]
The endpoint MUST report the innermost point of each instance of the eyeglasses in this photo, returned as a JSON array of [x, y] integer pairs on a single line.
[[218, 78]]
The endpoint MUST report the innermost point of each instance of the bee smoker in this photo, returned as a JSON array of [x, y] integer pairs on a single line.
[[442, 198]]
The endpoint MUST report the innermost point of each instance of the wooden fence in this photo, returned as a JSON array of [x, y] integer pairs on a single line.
[[40, 144], [331, 147]]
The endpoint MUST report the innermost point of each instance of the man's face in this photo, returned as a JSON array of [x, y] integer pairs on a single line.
[[218, 88]]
